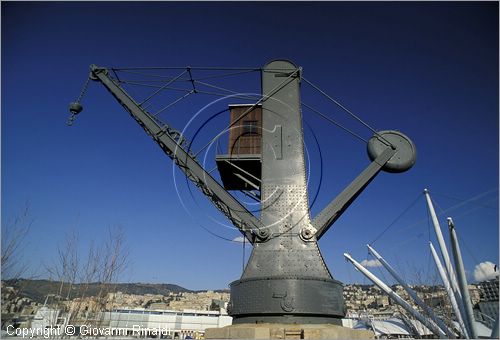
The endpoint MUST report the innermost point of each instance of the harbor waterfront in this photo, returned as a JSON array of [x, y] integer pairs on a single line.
[[189, 314]]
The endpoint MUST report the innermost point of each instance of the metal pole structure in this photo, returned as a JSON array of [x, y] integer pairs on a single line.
[[413, 295], [446, 257], [462, 280], [398, 299], [494, 331], [285, 279], [447, 286]]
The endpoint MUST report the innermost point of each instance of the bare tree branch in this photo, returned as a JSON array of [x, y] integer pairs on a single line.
[[14, 235]]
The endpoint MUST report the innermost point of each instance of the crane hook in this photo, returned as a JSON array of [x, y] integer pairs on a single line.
[[74, 108]]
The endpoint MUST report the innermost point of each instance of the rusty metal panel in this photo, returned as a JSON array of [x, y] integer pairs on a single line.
[[245, 135]]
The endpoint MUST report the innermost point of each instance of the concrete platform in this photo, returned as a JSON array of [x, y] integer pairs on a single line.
[[286, 331]]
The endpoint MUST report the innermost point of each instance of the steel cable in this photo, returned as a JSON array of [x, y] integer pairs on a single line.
[[396, 219], [469, 201], [348, 111], [128, 82], [214, 68], [278, 87], [334, 122], [164, 86]]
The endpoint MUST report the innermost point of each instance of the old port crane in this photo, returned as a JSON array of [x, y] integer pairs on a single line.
[[286, 279]]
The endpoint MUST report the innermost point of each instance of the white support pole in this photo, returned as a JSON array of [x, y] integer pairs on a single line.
[[447, 286], [462, 280], [494, 331], [413, 295], [446, 258], [398, 299]]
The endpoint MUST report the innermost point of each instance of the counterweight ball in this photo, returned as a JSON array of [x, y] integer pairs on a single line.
[[75, 108], [406, 153]]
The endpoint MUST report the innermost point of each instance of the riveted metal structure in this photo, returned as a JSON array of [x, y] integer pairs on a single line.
[[286, 279]]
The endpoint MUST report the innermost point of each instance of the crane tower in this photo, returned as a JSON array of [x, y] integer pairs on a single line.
[[285, 279]]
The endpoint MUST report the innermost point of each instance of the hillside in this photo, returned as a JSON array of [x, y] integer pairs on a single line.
[[37, 290]]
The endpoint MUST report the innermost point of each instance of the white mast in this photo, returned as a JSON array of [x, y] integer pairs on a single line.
[[447, 286], [462, 280], [412, 294], [494, 331], [398, 299], [446, 257]]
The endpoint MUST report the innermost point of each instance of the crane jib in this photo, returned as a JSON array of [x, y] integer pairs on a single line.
[[171, 142]]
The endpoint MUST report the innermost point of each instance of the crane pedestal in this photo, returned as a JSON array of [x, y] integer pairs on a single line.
[[286, 331]]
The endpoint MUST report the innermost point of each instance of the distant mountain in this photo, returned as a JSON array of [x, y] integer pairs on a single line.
[[37, 290]]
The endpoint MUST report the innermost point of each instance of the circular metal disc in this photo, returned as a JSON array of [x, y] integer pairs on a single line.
[[406, 153]]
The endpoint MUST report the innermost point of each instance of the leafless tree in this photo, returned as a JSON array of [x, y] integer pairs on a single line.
[[14, 234], [114, 261], [102, 264], [67, 266], [89, 271], [73, 265]]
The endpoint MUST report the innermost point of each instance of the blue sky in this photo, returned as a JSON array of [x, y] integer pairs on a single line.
[[427, 69]]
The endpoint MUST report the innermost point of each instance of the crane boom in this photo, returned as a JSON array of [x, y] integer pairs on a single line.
[[171, 142]]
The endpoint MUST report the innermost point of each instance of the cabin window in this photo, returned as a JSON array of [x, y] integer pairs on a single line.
[[250, 127]]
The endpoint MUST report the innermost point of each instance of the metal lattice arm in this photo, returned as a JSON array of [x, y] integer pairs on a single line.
[[171, 142]]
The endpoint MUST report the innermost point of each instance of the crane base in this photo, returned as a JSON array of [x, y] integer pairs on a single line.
[[286, 331]]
